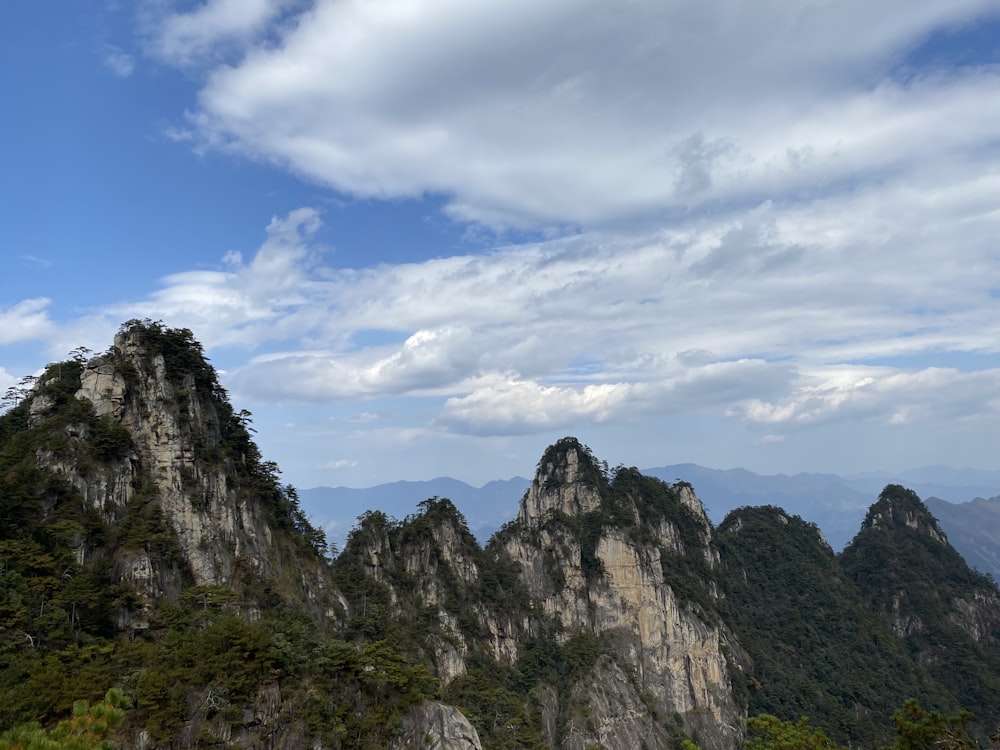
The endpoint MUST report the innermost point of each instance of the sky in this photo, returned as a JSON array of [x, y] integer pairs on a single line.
[[421, 238]]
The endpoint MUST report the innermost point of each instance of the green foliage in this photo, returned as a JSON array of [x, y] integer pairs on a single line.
[[182, 354], [768, 732], [918, 729], [110, 440], [816, 649], [88, 728], [908, 574], [501, 714], [590, 470]]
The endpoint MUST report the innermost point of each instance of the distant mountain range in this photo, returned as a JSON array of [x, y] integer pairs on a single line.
[[965, 501], [973, 528], [486, 508]]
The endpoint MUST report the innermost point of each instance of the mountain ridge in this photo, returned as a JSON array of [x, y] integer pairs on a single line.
[[831, 501], [147, 546]]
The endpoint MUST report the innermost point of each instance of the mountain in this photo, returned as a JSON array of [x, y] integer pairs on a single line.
[[946, 614], [147, 547], [973, 528], [485, 508], [827, 500], [817, 648], [836, 504]]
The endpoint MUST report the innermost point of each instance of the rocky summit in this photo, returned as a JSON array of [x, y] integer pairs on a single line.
[[148, 549]]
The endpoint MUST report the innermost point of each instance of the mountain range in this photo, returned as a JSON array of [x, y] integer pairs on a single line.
[[965, 501], [161, 588]]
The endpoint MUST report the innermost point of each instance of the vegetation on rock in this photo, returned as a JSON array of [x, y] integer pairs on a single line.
[[253, 633]]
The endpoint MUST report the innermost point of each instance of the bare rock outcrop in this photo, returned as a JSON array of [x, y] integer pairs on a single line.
[[436, 726], [599, 559], [175, 470]]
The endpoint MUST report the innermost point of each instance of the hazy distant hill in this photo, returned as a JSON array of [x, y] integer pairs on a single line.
[[953, 485], [836, 504], [973, 528], [827, 500], [486, 508]]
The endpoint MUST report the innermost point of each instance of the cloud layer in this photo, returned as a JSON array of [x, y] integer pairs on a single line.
[[568, 113], [783, 219], [790, 315]]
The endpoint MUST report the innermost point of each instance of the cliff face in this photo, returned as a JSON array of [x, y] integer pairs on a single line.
[[435, 726], [609, 559], [145, 543], [184, 460], [599, 599]]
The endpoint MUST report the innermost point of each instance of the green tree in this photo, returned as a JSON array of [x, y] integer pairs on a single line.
[[89, 727], [768, 732], [919, 729]]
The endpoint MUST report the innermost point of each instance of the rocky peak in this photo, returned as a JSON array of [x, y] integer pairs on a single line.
[[898, 508], [160, 444], [628, 559], [568, 481]]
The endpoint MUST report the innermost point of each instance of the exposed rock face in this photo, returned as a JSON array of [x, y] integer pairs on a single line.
[[978, 615], [177, 466], [620, 592], [562, 485], [436, 726], [215, 527], [896, 513], [428, 563], [608, 712]]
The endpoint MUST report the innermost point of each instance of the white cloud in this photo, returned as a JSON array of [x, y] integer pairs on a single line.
[[25, 321], [760, 313], [340, 463], [890, 396], [35, 261], [518, 407], [119, 63], [752, 210], [513, 407], [233, 306], [537, 114], [210, 30]]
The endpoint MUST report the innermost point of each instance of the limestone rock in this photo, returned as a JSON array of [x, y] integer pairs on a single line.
[[564, 484], [436, 726], [177, 469], [620, 591]]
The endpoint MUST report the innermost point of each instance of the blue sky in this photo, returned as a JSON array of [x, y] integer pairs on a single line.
[[429, 237]]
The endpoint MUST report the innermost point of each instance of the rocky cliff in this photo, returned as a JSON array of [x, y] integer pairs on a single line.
[[628, 559], [599, 600], [146, 543], [185, 458]]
